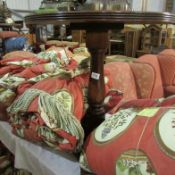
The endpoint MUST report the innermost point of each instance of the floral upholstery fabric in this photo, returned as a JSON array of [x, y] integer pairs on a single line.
[[16, 65], [122, 79], [167, 63], [168, 52], [49, 106], [52, 78], [144, 77], [157, 91]]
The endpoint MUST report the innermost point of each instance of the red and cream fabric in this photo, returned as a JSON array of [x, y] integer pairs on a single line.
[[144, 78], [168, 52], [122, 79], [152, 60], [167, 63], [135, 140], [19, 54], [50, 90]]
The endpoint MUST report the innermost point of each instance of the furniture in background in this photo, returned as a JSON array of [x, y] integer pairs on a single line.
[[97, 41], [153, 36], [79, 36], [132, 42], [169, 6], [97, 24]]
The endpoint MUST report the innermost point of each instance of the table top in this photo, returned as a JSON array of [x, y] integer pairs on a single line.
[[101, 17]]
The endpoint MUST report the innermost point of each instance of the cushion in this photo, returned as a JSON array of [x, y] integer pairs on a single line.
[[8, 34], [144, 78], [167, 64], [157, 91], [169, 90], [132, 141], [19, 54], [122, 79], [62, 43], [168, 52]]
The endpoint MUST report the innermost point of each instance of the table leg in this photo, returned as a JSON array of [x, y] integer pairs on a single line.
[[97, 43]]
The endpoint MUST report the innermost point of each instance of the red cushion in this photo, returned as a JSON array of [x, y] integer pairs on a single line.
[[122, 79], [138, 143], [157, 91], [8, 34], [144, 77]]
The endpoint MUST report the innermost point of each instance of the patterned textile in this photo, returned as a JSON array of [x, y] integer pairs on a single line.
[[157, 91], [7, 96], [34, 70], [170, 52], [138, 79], [19, 54], [60, 56], [167, 63], [11, 80], [144, 78], [168, 101], [47, 95], [135, 140], [56, 124], [81, 51], [112, 98], [16, 65], [122, 79], [51, 110]]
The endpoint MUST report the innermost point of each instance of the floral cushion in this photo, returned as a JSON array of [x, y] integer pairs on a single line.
[[157, 91], [144, 78], [122, 79], [135, 140]]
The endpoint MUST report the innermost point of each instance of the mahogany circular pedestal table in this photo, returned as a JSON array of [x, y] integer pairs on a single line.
[[97, 24]]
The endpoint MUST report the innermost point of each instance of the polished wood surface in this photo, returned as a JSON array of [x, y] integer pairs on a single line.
[[101, 17], [97, 25]]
